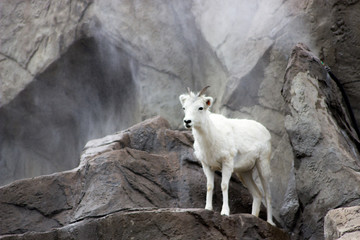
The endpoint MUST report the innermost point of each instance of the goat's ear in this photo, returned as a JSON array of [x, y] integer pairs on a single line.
[[208, 101], [183, 98]]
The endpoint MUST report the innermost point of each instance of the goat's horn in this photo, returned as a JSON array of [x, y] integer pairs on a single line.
[[203, 91], [188, 89]]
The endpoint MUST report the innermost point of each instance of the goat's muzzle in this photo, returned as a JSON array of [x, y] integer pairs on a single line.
[[187, 123]]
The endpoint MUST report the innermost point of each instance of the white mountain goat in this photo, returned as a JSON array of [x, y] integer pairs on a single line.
[[229, 145]]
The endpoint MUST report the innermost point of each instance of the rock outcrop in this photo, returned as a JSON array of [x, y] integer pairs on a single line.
[[342, 223], [122, 182], [326, 164]]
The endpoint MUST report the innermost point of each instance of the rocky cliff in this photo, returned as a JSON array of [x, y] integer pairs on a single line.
[[326, 164], [72, 71]]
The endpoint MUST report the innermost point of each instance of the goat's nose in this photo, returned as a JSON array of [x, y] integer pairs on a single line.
[[187, 121]]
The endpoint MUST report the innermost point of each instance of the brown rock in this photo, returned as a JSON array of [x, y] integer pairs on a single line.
[[163, 224], [145, 166]]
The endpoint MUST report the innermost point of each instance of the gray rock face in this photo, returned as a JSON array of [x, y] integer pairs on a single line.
[[33, 35], [45, 128], [100, 78], [122, 181], [39, 80], [326, 159]]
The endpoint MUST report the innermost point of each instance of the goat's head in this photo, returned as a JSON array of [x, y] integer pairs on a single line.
[[196, 108]]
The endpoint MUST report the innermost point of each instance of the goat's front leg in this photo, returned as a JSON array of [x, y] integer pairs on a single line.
[[210, 186], [225, 179]]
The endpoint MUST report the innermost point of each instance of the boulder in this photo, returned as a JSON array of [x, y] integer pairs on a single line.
[[132, 173], [323, 140], [342, 223]]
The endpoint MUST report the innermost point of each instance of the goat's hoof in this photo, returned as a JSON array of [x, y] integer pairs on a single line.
[[271, 222], [209, 208], [225, 212]]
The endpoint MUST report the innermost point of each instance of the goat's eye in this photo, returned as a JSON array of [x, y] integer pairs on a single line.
[[183, 108], [201, 108]]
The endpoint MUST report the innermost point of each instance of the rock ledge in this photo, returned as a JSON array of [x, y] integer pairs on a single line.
[[171, 223], [135, 184]]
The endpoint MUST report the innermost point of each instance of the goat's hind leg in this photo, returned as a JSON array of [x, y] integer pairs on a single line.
[[249, 182], [265, 176]]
